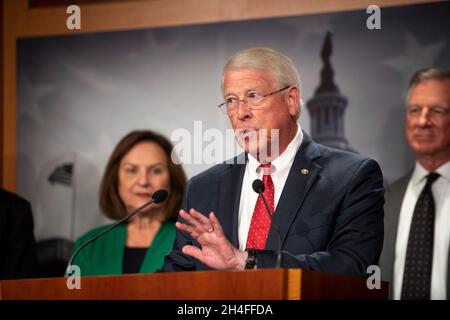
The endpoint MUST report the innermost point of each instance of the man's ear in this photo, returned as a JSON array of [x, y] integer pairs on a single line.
[[293, 101]]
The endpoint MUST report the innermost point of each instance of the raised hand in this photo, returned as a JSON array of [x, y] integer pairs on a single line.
[[216, 251]]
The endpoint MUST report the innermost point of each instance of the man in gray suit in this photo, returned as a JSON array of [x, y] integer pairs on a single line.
[[415, 256]]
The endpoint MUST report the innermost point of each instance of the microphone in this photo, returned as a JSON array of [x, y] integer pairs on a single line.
[[258, 187], [158, 197]]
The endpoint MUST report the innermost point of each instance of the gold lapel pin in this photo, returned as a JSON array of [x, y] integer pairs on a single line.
[[304, 172]]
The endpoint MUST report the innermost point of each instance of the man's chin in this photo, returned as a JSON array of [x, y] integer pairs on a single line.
[[253, 150], [249, 147], [257, 153], [253, 147], [425, 149]]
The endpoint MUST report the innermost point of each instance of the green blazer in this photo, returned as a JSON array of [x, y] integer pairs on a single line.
[[105, 255]]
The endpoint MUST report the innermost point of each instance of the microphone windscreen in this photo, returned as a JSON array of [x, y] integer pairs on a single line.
[[160, 195], [258, 186]]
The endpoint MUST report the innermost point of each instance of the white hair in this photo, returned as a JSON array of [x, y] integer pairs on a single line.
[[281, 67]]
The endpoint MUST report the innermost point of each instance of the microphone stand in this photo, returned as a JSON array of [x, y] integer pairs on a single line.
[[132, 213]]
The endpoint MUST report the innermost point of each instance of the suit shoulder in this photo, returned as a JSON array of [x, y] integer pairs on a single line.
[[342, 157], [211, 173], [400, 181], [341, 166], [12, 204], [215, 173], [12, 198], [399, 185]]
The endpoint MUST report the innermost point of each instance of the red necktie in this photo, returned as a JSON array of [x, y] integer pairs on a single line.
[[260, 224]]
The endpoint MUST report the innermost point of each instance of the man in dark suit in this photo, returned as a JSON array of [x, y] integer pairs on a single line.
[[328, 204], [17, 243], [415, 258]]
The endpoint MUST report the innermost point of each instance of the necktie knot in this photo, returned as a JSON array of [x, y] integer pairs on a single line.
[[431, 178], [266, 168]]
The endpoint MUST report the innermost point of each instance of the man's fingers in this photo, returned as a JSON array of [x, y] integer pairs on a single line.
[[193, 252], [215, 223], [190, 220], [186, 228], [199, 216], [202, 223], [197, 223]]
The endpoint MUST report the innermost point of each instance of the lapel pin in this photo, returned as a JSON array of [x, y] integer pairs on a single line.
[[304, 172]]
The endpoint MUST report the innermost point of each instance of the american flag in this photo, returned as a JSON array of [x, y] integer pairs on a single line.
[[62, 174]]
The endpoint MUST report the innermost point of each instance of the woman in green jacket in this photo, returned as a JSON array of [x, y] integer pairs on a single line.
[[140, 164]]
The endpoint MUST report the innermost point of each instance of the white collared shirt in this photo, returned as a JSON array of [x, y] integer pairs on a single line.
[[280, 171], [441, 195]]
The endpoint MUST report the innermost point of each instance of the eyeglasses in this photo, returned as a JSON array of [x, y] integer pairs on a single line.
[[433, 112], [253, 100]]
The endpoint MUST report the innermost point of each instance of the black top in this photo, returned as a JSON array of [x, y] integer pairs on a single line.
[[132, 259], [18, 257]]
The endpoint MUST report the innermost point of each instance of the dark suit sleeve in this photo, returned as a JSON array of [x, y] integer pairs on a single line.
[[176, 260], [357, 239], [19, 247]]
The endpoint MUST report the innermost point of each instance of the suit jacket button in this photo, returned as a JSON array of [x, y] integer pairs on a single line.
[[304, 172]]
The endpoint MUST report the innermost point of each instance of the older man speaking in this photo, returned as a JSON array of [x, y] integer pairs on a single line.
[[324, 205]]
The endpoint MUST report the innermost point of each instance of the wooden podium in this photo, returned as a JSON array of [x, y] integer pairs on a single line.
[[264, 284]]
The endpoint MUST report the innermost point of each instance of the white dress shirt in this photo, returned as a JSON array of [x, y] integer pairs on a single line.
[[441, 195], [280, 170]]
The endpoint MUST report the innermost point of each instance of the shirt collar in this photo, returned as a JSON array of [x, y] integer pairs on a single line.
[[420, 172], [285, 158], [444, 171]]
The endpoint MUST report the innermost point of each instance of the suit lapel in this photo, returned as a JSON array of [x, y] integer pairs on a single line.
[[393, 201], [229, 198], [295, 189], [395, 194]]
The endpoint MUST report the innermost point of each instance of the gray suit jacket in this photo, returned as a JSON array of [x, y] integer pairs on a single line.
[[393, 201]]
